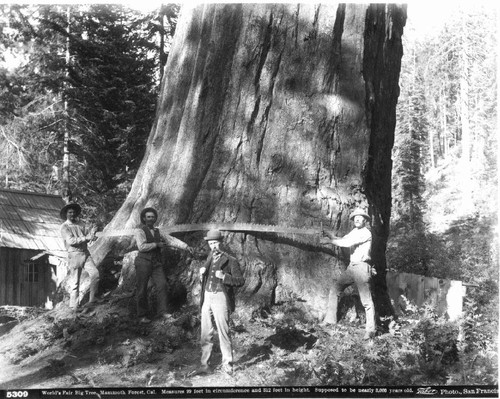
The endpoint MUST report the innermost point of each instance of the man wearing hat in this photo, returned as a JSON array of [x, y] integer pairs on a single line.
[[149, 264], [76, 236], [219, 275], [359, 271]]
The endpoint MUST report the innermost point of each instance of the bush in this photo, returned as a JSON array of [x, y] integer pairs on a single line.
[[422, 349]]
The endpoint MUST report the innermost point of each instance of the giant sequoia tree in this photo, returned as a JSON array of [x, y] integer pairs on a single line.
[[278, 114]]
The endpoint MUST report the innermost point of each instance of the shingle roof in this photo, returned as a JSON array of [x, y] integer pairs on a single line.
[[30, 220]]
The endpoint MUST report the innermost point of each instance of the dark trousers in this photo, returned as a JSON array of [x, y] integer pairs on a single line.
[[144, 271]]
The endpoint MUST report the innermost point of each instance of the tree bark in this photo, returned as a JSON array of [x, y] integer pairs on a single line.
[[275, 114], [162, 42], [65, 181], [466, 139], [444, 122]]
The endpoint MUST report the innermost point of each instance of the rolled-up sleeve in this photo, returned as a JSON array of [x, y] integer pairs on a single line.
[[141, 241], [70, 238], [174, 242], [355, 237]]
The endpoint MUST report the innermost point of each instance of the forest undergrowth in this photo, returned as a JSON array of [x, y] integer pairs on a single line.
[[107, 348]]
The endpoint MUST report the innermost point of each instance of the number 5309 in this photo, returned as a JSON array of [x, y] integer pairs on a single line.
[[17, 394]]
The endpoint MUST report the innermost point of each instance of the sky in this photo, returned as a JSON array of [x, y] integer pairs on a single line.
[[425, 16]]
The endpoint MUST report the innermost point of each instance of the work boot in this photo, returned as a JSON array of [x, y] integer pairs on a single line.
[[83, 309], [89, 305], [227, 369], [203, 369], [328, 324], [167, 318]]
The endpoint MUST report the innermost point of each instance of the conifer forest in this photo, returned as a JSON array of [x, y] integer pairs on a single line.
[[272, 122]]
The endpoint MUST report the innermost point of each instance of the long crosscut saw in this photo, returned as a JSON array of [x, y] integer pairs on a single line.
[[302, 235]]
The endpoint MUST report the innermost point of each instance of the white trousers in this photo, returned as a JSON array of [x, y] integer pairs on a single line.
[[215, 305]]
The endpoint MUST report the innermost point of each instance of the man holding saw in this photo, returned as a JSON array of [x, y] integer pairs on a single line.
[[359, 270], [77, 236], [149, 264]]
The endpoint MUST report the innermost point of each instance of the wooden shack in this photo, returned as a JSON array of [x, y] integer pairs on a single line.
[[31, 250]]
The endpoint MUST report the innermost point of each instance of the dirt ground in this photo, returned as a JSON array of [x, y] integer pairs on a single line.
[[106, 347]]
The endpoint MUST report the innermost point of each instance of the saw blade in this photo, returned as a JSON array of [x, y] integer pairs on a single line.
[[238, 227], [307, 237]]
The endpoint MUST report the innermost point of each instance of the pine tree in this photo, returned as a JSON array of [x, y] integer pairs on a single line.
[[453, 162], [103, 96], [408, 249]]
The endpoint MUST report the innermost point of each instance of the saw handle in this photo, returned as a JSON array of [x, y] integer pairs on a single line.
[[326, 233]]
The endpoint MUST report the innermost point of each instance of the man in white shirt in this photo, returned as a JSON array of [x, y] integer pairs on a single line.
[[149, 264], [359, 271], [76, 236]]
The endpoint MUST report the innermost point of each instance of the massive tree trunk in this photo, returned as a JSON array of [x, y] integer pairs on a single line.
[[277, 114]]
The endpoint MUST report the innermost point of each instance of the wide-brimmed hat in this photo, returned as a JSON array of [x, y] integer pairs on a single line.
[[360, 212], [146, 210], [213, 235], [73, 205]]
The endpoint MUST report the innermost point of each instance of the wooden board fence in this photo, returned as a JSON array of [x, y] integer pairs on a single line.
[[445, 296]]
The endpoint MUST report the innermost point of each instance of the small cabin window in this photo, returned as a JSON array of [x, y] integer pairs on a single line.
[[31, 272]]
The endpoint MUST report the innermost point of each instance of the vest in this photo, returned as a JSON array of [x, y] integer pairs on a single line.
[[213, 283], [155, 254]]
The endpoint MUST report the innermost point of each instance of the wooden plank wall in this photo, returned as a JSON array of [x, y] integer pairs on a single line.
[[3, 277], [445, 296], [14, 290]]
